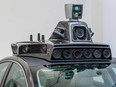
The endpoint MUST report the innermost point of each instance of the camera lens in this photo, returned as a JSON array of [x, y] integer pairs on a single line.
[[79, 33], [97, 53], [77, 53], [106, 53], [43, 48], [76, 14], [56, 54], [25, 49], [67, 54], [87, 53]]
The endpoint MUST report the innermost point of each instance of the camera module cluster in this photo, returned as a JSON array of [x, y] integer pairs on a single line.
[[70, 41]]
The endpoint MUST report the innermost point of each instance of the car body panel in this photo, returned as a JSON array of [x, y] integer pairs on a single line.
[[27, 62]]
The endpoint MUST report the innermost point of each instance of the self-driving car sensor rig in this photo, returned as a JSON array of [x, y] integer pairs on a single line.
[[71, 41]]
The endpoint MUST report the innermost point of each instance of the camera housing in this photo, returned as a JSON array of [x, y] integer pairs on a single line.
[[72, 31], [73, 11]]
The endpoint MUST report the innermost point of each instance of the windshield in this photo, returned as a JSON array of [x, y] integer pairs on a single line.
[[74, 75]]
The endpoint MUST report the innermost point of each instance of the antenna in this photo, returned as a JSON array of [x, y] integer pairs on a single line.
[[31, 37], [43, 38], [38, 37]]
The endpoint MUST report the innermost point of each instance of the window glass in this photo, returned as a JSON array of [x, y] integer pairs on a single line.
[[74, 75], [3, 67], [114, 69], [69, 78], [98, 79], [16, 77]]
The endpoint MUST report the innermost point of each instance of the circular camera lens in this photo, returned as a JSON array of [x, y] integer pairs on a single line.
[[43, 48], [67, 54], [56, 54], [77, 53], [106, 53], [25, 49], [79, 33], [76, 14], [97, 53], [87, 53]]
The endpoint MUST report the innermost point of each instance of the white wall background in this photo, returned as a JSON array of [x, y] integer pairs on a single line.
[[20, 18], [109, 24]]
